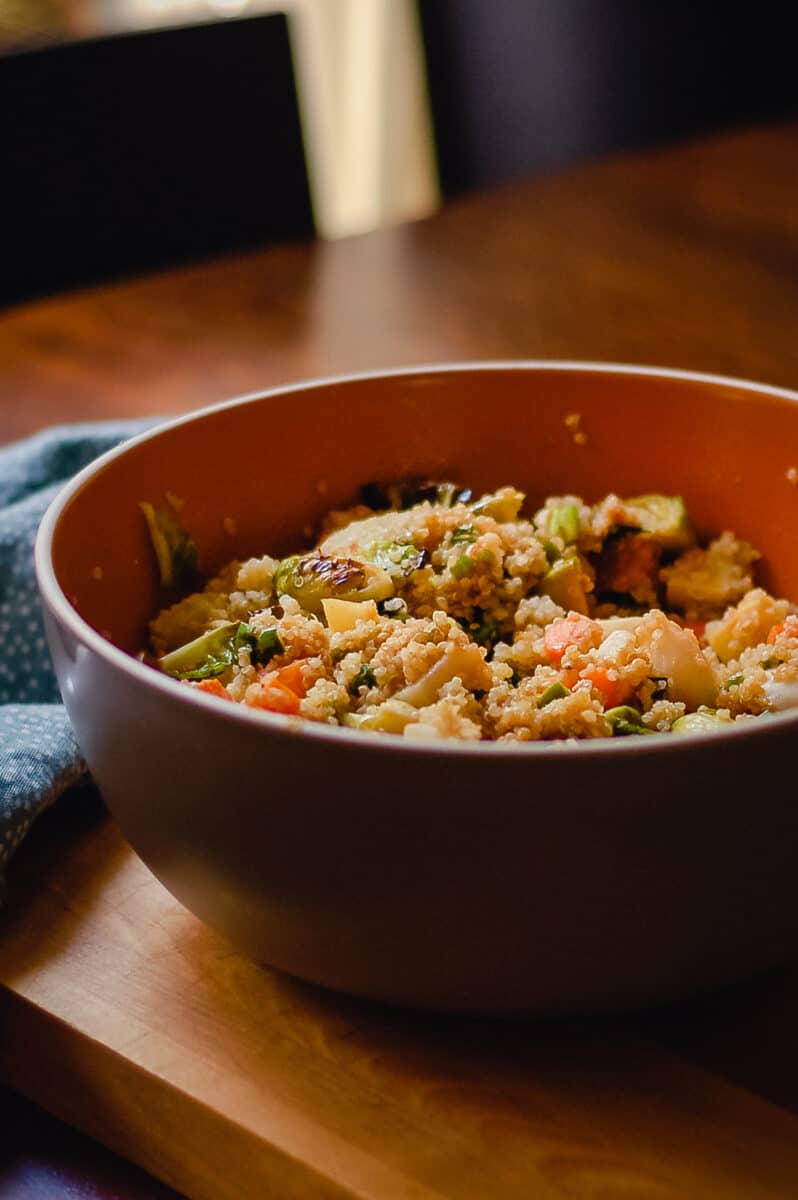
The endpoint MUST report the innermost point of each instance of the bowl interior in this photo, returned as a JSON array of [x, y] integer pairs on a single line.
[[253, 475]]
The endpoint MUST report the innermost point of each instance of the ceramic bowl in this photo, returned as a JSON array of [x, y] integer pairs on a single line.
[[546, 878]]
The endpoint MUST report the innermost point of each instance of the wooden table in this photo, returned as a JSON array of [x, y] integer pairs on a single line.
[[129, 1007]]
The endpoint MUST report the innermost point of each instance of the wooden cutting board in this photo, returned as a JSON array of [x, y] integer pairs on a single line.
[[124, 1015]]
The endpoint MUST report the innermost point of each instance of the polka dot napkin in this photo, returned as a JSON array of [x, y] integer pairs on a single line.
[[39, 757]]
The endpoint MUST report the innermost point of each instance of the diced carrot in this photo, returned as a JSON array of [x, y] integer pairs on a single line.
[[273, 697], [291, 677], [278, 691], [212, 687], [573, 630], [790, 627], [613, 691]]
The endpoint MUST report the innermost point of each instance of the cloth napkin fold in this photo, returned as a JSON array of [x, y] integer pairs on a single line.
[[39, 757]]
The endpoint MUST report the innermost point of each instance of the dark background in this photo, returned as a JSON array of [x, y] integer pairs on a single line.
[[132, 151], [524, 86]]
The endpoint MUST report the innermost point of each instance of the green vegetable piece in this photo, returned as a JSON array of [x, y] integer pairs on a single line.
[[463, 567], [175, 551], [626, 720], [564, 523], [397, 558], [217, 649], [448, 494], [364, 678], [666, 518], [503, 506], [555, 691], [564, 582], [705, 721], [284, 575], [311, 578], [624, 712], [382, 720], [206, 656], [244, 636], [733, 681], [463, 534], [267, 645]]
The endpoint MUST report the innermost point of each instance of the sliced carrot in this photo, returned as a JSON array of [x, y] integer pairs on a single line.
[[272, 697], [291, 677], [573, 630], [613, 691], [278, 691], [212, 687]]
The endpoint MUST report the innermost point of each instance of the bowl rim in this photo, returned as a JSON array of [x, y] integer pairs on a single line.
[[65, 613]]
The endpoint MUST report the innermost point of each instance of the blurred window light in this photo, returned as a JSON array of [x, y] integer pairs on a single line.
[[365, 112], [146, 13], [230, 7], [361, 85], [363, 99]]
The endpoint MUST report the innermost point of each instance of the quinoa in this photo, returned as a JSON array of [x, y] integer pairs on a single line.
[[423, 613]]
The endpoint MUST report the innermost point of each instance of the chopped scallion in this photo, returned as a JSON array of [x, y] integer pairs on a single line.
[[364, 678], [626, 720], [267, 644], [463, 567], [564, 523], [555, 691]]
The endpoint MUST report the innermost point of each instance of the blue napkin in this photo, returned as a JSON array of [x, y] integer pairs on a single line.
[[39, 757]]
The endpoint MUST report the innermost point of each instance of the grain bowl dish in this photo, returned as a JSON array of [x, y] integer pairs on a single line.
[[479, 871], [424, 612]]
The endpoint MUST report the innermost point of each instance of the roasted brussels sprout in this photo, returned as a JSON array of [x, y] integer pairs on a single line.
[[704, 721], [311, 578]]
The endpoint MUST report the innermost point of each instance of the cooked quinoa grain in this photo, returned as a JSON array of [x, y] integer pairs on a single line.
[[425, 613]]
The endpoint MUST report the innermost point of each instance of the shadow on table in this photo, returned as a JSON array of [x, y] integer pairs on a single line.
[[43, 1159]]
